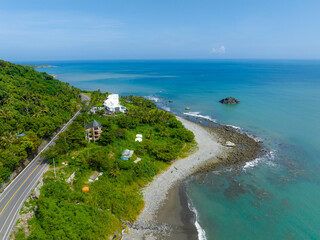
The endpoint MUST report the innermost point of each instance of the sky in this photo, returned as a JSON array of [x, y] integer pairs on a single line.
[[36, 30]]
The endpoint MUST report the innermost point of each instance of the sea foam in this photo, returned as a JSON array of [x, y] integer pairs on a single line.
[[200, 230], [159, 102], [267, 158], [197, 115], [152, 98], [241, 130]]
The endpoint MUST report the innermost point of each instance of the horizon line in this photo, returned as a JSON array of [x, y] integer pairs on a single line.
[[165, 59]]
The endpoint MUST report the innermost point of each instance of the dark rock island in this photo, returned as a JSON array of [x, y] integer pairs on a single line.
[[229, 100]]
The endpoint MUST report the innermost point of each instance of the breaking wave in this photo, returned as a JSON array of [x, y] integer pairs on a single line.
[[268, 159], [152, 98], [200, 230], [241, 130], [197, 115]]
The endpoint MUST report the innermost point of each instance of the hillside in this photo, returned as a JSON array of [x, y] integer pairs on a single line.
[[33, 105], [73, 206]]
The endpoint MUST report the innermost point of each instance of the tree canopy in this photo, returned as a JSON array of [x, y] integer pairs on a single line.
[[31, 103]]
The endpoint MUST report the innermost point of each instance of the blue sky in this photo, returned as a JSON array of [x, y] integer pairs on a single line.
[[166, 29]]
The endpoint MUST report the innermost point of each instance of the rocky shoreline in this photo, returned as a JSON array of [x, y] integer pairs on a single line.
[[246, 148], [149, 225]]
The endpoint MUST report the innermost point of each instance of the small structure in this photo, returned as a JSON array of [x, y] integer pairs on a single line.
[[112, 104], [95, 110], [94, 176], [93, 131], [21, 135], [138, 138], [137, 160], [127, 154], [85, 189], [71, 177]]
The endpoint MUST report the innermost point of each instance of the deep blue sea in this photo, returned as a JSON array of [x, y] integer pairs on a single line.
[[274, 197]]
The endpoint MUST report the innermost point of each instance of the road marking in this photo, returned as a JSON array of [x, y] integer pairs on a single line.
[[32, 184], [16, 214], [5, 192], [20, 187]]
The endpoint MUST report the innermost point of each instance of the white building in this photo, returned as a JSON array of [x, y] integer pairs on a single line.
[[112, 103]]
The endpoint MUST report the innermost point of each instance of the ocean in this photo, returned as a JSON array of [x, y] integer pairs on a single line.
[[274, 197]]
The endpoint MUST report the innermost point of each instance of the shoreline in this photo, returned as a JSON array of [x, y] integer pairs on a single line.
[[157, 192], [167, 214]]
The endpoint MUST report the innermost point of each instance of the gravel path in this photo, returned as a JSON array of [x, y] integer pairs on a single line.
[[156, 192]]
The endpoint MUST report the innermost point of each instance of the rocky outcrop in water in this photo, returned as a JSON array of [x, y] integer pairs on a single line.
[[229, 100]]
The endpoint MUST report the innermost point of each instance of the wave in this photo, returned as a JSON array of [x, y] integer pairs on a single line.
[[235, 127], [267, 158], [197, 115], [256, 138], [152, 98], [164, 107], [241, 130], [200, 230]]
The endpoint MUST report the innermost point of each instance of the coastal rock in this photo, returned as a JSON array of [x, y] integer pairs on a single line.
[[229, 100]]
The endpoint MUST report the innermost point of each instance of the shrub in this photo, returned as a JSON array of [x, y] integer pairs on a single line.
[[128, 122], [121, 133], [145, 169], [183, 134], [107, 137], [174, 123], [100, 160], [165, 152]]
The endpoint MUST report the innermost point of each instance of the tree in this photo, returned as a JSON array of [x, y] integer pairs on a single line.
[[128, 122], [165, 152], [174, 123], [183, 134], [107, 137], [121, 133], [30, 102], [76, 135], [100, 160]]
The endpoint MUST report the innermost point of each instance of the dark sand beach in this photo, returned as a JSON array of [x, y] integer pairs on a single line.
[[166, 214], [176, 213]]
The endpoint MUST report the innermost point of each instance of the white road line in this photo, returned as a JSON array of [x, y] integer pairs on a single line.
[[45, 148], [27, 188], [33, 181], [21, 203]]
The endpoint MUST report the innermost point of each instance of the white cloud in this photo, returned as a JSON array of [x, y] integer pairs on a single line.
[[220, 49]]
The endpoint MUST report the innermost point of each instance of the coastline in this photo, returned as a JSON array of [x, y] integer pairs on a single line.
[[167, 213], [155, 194]]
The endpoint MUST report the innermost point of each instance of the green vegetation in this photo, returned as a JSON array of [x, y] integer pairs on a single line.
[[64, 211], [32, 103], [96, 97]]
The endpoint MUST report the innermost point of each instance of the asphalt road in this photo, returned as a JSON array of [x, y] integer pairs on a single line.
[[14, 195]]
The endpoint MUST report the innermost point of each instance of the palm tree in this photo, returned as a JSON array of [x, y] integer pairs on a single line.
[[7, 139], [6, 114]]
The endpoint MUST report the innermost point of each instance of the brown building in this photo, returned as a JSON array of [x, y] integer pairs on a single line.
[[93, 131]]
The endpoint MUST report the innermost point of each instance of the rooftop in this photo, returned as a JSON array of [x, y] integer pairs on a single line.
[[94, 124]]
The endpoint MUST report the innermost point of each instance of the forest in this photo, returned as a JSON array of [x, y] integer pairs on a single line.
[[32, 106], [65, 211]]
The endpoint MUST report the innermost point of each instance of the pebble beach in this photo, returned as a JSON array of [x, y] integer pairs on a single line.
[[155, 194]]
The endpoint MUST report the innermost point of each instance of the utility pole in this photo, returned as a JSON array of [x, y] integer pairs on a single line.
[[54, 169]]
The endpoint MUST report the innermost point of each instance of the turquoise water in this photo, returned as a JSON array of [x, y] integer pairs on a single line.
[[276, 197]]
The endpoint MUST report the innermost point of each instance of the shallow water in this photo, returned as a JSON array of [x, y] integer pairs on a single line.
[[277, 197]]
